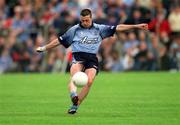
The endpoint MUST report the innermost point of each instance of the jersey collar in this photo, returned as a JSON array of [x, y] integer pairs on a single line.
[[84, 27]]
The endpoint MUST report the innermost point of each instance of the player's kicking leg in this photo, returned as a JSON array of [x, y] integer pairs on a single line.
[[76, 67], [91, 73]]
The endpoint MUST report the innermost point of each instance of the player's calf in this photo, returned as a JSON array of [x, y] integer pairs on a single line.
[[90, 82]]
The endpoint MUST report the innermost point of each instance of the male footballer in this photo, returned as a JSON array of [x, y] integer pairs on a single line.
[[85, 39]]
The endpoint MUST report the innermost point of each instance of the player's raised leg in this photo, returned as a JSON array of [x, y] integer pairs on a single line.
[[91, 73], [76, 67]]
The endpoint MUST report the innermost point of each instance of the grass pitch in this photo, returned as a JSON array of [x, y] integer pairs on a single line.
[[115, 99]]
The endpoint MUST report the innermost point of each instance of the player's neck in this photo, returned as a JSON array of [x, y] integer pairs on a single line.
[[86, 27]]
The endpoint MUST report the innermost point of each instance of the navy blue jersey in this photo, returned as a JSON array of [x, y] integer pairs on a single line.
[[86, 39]]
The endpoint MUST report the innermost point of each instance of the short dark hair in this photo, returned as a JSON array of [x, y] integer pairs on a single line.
[[86, 12]]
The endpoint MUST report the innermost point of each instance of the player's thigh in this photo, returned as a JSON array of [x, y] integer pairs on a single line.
[[91, 73], [76, 67]]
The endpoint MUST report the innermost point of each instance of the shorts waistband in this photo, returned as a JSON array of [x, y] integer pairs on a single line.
[[84, 53]]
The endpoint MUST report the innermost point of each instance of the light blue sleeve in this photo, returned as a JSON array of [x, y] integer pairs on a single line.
[[107, 31], [67, 38]]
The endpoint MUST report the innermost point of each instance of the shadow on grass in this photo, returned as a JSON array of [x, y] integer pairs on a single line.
[[64, 114]]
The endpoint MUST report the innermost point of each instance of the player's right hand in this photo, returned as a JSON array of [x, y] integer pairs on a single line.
[[40, 49], [143, 26]]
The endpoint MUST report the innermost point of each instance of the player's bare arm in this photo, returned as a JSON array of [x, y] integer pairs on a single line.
[[50, 45], [124, 27]]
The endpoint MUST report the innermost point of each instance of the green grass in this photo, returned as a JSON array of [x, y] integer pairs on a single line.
[[115, 99]]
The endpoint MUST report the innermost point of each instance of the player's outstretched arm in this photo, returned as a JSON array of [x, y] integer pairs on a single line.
[[124, 27], [50, 45]]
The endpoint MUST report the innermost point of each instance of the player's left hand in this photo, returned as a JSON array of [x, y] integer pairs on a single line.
[[40, 49], [142, 26]]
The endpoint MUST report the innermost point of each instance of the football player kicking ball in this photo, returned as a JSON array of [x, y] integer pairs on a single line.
[[85, 39]]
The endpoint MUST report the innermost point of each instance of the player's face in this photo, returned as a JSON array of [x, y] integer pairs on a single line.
[[86, 21]]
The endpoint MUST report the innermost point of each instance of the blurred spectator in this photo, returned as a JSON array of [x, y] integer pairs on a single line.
[[100, 17], [21, 23], [164, 59], [6, 62], [140, 12], [4, 10], [128, 2], [174, 19], [131, 44], [145, 3], [160, 24], [151, 58], [122, 17], [136, 18], [140, 59], [127, 60], [65, 21], [175, 53], [116, 64], [165, 40], [154, 49]]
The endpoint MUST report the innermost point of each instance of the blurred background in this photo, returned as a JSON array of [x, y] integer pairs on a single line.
[[27, 24]]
